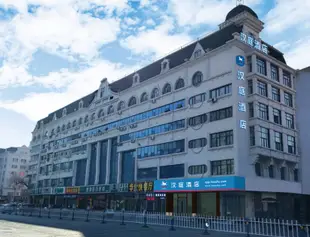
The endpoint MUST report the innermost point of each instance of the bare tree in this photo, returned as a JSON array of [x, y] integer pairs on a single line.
[[16, 180]]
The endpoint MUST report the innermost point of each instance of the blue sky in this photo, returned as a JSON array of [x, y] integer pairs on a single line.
[[53, 52]]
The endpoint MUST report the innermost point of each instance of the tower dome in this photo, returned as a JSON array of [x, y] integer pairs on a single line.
[[239, 9]]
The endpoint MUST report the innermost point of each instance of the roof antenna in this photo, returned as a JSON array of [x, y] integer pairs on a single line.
[[239, 2]]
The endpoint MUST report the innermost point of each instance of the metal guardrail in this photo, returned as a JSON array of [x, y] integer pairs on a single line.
[[248, 226]]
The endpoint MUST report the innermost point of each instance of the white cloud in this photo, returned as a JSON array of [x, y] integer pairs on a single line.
[[81, 83], [150, 22], [287, 14], [298, 55], [131, 21], [211, 12], [159, 41]]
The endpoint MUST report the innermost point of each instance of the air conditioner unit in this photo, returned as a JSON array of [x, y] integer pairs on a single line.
[[119, 112], [102, 119], [133, 140], [214, 100], [153, 101], [119, 144], [152, 137]]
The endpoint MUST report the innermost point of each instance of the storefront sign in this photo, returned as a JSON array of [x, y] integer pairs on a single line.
[[200, 184], [123, 188], [59, 190], [95, 189], [242, 94], [141, 187], [72, 190], [250, 40], [240, 60]]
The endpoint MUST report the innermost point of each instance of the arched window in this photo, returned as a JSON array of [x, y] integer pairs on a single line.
[[74, 123], [121, 105], [179, 84], [68, 125], [80, 121], [100, 113], [53, 132], [132, 101], [155, 93], [93, 116], [143, 97], [63, 127], [167, 89], [86, 119], [111, 109], [197, 79], [58, 129], [81, 104]]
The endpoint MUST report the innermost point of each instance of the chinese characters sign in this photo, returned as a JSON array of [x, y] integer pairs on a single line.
[[200, 184], [95, 189], [250, 40], [72, 190], [141, 187], [241, 91]]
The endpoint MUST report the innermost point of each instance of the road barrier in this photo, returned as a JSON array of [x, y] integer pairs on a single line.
[[246, 226]]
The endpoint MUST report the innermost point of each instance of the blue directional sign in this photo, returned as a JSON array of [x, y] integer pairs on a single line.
[[240, 60], [224, 183]]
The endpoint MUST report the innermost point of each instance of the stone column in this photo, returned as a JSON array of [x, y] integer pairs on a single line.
[[119, 167], [87, 164], [97, 162], [74, 172], [107, 177]]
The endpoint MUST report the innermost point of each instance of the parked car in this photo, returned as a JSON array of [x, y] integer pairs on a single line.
[[9, 208]]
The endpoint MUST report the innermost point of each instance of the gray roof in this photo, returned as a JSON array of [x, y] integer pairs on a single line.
[[177, 58]]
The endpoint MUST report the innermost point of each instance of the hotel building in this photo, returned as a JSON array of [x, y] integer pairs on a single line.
[[209, 128]]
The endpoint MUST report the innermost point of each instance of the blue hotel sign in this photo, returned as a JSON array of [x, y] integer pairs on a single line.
[[227, 183]]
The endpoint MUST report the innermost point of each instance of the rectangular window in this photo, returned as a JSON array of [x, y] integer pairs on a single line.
[[251, 110], [171, 171], [291, 144], [262, 88], [277, 116], [197, 99], [264, 137], [222, 167], [278, 141], [288, 99], [219, 139], [249, 61], [197, 120], [221, 114], [173, 147], [289, 120], [274, 72], [220, 91], [296, 175], [261, 66], [252, 136], [263, 112], [287, 79], [275, 93], [250, 87], [282, 173]]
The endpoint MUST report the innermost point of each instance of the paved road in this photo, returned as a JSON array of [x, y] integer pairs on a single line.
[[24, 226]]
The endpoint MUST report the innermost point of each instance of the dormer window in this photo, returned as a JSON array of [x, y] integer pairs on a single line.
[[136, 78], [102, 92], [164, 65], [197, 53], [81, 104], [55, 116], [64, 112]]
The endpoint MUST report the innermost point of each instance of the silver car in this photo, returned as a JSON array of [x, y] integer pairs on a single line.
[[8, 208]]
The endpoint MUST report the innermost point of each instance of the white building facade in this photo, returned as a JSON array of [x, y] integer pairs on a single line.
[[13, 166], [208, 129]]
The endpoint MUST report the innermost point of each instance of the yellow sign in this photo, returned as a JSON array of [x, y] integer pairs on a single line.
[[72, 190], [141, 187]]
